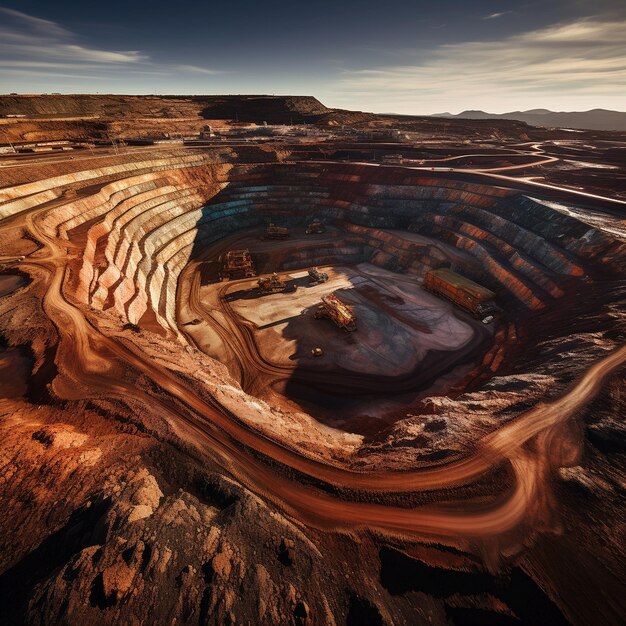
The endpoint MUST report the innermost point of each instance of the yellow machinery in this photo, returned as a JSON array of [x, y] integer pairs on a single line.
[[273, 284], [236, 263], [276, 232], [315, 228], [332, 307], [461, 290], [316, 277]]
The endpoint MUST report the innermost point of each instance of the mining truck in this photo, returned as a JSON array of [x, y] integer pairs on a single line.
[[236, 263], [316, 277], [333, 308], [273, 284], [315, 228], [275, 232], [464, 292]]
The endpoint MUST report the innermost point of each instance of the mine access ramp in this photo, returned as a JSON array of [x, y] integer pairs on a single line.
[[464, 292], [236, 263], [332, 307]]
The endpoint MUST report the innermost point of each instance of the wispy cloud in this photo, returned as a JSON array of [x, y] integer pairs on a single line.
[[494, 16], [45, 27], [37, 46], [195, 69], [565, 62]]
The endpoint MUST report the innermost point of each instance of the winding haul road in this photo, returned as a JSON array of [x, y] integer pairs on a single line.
[[494, 172], [95, 362]]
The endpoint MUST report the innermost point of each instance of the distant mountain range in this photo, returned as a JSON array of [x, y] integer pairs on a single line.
[[596, 119]]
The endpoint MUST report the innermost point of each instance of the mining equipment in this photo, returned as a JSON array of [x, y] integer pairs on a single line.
[[315, 228], [393, 159], [464, 292], [207, 132], [316, 277], [333, 308], [236, 263], [273, 284], [275, 232]]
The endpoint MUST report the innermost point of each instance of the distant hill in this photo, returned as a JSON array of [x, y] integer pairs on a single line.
[[82, 117], [596, 119], [245, 108]]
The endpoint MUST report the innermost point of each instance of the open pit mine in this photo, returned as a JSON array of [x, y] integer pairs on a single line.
[[265, 362]]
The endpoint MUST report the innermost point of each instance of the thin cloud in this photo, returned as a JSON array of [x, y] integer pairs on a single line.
[[567, 61], [75, 53], [34, 44], [38, 24], [48, 74], [195, 69], [495, 16]]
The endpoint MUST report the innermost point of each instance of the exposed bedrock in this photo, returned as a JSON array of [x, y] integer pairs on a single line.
[[137, 225], [132, 226], [128, 429]]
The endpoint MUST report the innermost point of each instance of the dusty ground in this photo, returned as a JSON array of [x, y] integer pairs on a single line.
[[397, 322], [407, 339], [145, 477]]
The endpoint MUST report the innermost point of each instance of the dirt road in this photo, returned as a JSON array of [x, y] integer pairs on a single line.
[[95, 362]]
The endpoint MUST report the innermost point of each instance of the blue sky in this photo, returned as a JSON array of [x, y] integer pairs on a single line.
[[393, 56]]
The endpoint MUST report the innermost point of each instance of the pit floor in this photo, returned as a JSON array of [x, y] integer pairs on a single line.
[[409, 344], [398, 322]]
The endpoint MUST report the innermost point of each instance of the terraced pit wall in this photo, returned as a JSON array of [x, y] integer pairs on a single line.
[[136, 224]]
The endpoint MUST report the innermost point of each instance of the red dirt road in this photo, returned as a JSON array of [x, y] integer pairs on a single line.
[[93, 360]]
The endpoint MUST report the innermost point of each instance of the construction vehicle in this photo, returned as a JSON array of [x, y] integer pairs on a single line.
[[273, 284], [236, 263], [464, 292], [275, 232], [315, 228], [332, 307], [316, 277]]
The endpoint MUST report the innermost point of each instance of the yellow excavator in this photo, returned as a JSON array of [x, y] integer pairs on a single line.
[[273, 284], [315, 228], [237, 263], [332, 307]]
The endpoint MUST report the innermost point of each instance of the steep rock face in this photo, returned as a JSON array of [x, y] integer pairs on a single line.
[[526, 257], [272, 109], [131, 209], [139, 223], [96, 551]]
